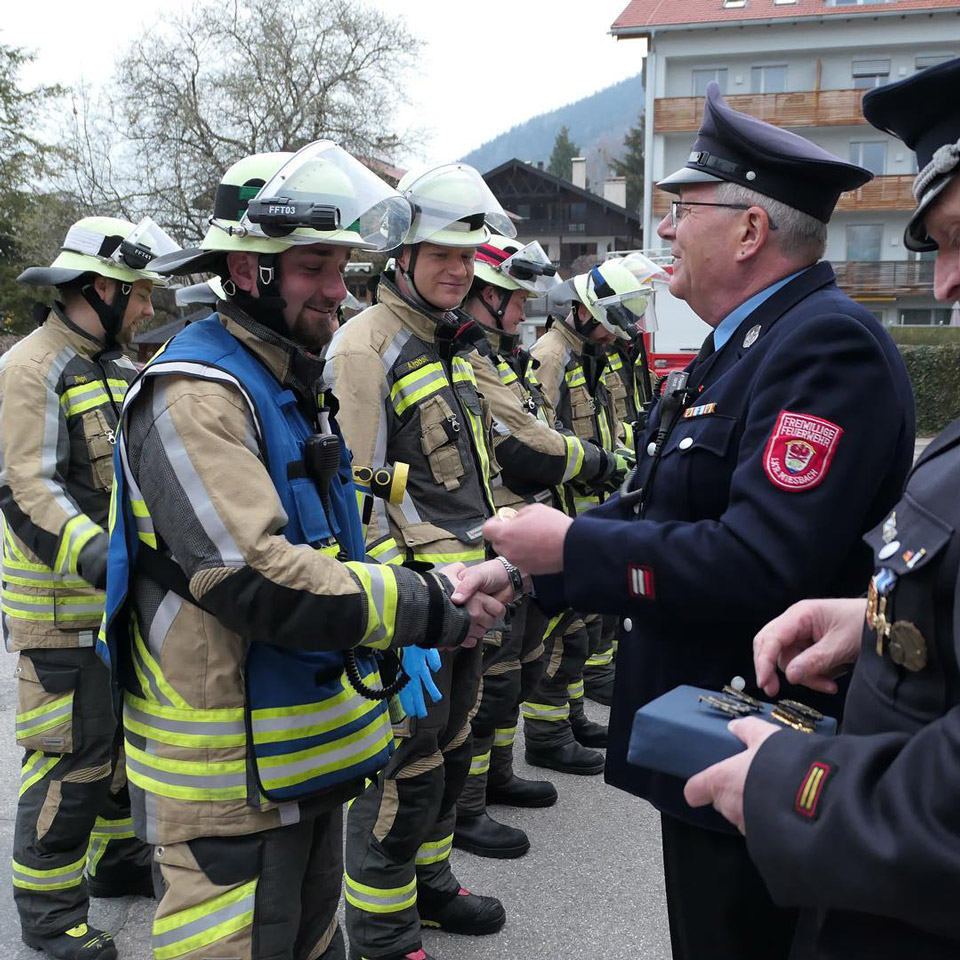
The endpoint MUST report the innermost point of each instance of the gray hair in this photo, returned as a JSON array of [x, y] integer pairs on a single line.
[[798, 235]]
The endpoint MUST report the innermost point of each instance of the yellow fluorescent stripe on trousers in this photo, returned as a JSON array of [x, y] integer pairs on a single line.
[[55, 714], [505, 736], [113, 829], [36, 767], [575, 690], [56, 878], [601, 658], [545, 711], [480, 764], [77, 532], [379, 584], [380, 899], [204, 924], [434, 851]]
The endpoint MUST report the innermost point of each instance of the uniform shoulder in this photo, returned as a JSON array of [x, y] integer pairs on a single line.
[[372, 329], [37, 349]]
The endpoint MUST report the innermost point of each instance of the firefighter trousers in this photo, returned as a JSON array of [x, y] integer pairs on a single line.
[[73, 814], [265, 896], [546, 711], [512, 668], [599, 667], [400, 829]]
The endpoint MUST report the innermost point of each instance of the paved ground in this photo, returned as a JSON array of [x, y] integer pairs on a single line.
[[591, 885]]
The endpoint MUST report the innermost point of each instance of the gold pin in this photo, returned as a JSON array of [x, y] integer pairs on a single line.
[[795, 706], [907, 646]]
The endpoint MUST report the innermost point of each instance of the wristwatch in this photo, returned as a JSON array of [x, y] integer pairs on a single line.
[[516, 577]]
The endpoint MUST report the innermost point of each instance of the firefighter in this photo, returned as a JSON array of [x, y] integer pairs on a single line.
[[606, 303], [404, 363], [61, 389], [242, 620], [535, 459]]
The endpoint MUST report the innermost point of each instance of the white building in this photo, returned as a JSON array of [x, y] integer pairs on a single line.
[[803, 64]]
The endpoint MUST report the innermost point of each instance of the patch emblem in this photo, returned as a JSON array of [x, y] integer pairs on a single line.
[[811, 789], [640, 581], [751, 338], [799, 450]]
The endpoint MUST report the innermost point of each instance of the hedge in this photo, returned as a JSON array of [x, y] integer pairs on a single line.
[[935, 374]]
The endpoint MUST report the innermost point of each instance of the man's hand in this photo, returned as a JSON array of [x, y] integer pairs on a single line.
[[813, 642], [722, 784], [532, 540], [489, 577]]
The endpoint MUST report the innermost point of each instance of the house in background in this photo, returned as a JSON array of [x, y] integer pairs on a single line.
[[804, 65]]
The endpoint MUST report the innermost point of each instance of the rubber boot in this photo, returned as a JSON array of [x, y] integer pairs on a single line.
[[567, 758], [81, 942], [464, 913], [504, 786], [585, 732]]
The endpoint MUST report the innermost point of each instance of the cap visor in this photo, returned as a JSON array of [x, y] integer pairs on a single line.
[[686, 176], [915, 237], [191, 260]]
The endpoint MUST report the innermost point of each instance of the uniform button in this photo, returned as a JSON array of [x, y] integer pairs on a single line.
[[651, 448], [889, 550], [686, 443], [627, 624]]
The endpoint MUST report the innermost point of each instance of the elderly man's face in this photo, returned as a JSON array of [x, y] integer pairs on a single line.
[[943, 225], [703, 245]]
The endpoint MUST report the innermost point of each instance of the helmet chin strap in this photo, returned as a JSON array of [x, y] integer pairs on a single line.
[[508, 341], [582, 328], [267, 309], [413, 293], [110, 314]]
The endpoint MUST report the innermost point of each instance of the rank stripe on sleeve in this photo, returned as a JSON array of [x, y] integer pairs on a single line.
[[808, 796], [640, 581]]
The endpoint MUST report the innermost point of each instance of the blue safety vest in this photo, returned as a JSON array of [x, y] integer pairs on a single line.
[[306, 728]]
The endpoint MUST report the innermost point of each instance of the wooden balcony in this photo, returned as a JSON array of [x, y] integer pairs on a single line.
[[881, 193], [821, 108], [866, 280]]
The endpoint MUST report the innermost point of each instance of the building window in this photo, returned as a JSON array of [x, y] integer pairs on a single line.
[[870, 73], [702, 76], [777, 3], [769, 79], [734, 3], [871, 154], [864, 241], [933, 317], [855, 3], [932, 61]]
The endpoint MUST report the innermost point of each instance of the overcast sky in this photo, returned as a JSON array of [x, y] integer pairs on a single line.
[[484, 67]]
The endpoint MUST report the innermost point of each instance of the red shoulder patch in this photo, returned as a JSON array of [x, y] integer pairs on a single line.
[[640, 581], [811, 789], [799, 450]]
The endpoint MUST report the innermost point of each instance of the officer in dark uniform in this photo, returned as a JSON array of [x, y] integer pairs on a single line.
[[863, 830], [757, 478]]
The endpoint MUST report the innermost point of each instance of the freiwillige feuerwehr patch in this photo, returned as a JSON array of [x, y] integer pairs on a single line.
[[799, 450]]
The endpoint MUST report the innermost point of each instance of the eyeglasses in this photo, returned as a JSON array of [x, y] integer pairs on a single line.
[[678, 210]]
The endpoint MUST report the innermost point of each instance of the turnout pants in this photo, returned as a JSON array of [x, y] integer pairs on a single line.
[[598, 670], [512, 666], [74, 810], [546, 711], [266, 896], [400, 829]]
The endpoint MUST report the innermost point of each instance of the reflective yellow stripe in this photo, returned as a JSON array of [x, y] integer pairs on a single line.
[[614, 362], [463, 373], [575, 378], [56, 878], [379, 899], [434, 851], [466, 555], [190, 930], [507, 375], [574, 457], [601, 658], [386, 551], [575, 690], [36, 767], [38, 607], [415, 386], [545, 711], [603, 422], [121, 829], [144, 521], [280, 724], [148, 669], [46, 717], [379, 583], [504, 736], [480, 764], [87, 396], [628, 439], [184, 727], [77, 532], [186, 779]]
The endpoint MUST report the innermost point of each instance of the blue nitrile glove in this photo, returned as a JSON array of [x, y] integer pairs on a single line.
[[419, 663]]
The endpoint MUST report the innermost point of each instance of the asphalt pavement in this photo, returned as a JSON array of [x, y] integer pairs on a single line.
[[591, 885]]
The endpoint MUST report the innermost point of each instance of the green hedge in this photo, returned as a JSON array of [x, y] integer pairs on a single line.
[[915, 336], [935, 375]]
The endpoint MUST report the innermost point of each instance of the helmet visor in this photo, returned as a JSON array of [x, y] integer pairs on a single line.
[[455, 197], [146, 242], [323, 195], [531, 269], [562, 296], [621, 313]]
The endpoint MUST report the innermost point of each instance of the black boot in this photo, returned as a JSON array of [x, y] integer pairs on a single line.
[[600, 690], [137, 885], [485, 837], [81, 942], [418, 954], [587, 733], [464, 913], [517, 792], [569, 758]]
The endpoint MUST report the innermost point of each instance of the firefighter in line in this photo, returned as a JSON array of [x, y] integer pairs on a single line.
[[572, 358], [405, 365], [241, 618], [60, 392], [534, 458]]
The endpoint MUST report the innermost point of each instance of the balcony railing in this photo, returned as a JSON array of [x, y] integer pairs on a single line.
[[881, 193], [813, 108], [886, 278]]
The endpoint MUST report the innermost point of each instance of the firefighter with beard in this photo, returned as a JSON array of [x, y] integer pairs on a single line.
[[534, 458], [242, 619], [61, 390]]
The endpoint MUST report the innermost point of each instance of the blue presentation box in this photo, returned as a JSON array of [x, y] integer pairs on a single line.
[[679, 735]]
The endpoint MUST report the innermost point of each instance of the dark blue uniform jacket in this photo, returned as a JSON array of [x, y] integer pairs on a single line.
[[759, 501], [868, 823]]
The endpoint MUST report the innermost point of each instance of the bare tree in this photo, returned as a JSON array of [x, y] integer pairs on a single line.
[[201, 90]]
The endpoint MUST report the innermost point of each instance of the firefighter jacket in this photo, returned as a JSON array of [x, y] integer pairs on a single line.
[[411, 398], [59, 402], [623, 377], [576, 387], [237, 715], [532, 454]]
